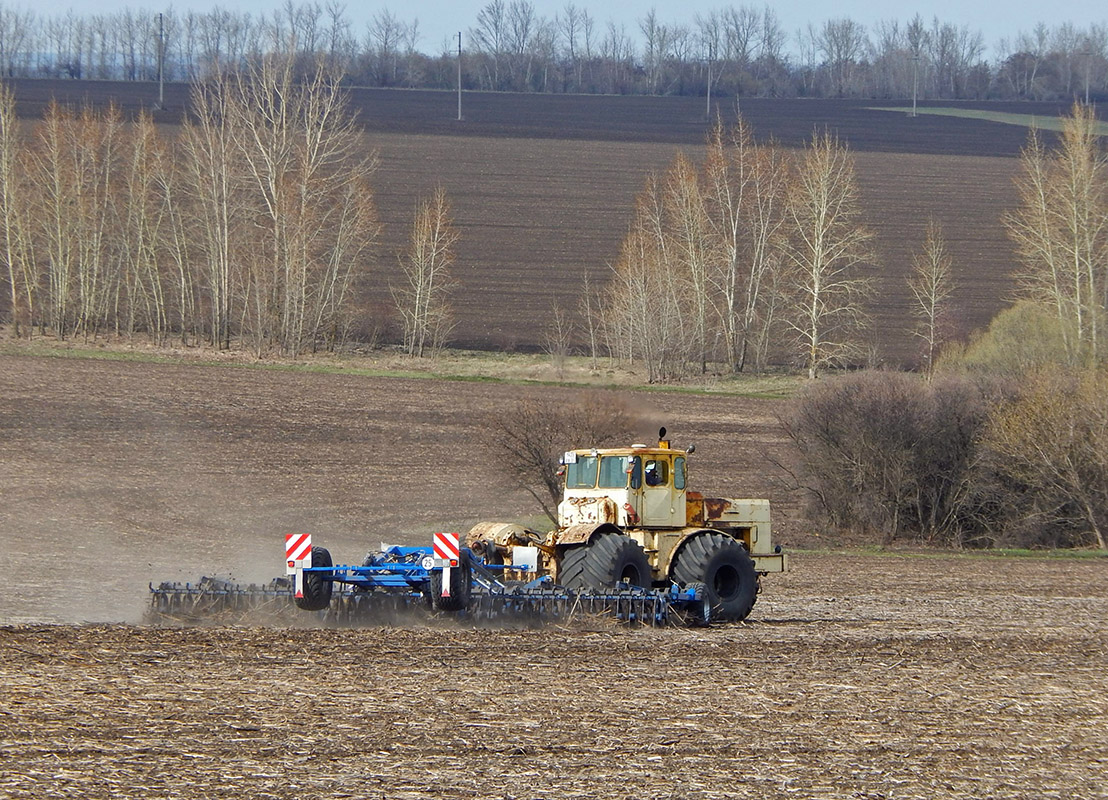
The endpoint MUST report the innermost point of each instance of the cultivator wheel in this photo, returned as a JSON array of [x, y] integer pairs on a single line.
[[316, 594], [460, 584]]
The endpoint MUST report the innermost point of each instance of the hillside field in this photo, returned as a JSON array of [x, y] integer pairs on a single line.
[[911, 676], [857, 676], [543, 187]]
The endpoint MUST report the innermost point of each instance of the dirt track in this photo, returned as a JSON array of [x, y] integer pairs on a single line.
[[872, 677]]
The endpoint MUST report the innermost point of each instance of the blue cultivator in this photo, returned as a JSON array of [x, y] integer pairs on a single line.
[[449, 579], [402, 583]]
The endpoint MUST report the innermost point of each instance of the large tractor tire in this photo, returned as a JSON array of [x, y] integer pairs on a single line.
[[607, 560], [317, 591], [726, 570], [461, 578]]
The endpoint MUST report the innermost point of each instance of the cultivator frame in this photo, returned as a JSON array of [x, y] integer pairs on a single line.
[[402, 583]]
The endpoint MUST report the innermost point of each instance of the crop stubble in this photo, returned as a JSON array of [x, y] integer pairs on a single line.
[[858, 677]]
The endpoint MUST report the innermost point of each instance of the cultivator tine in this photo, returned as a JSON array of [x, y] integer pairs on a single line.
[[212, 599], [553, 604]]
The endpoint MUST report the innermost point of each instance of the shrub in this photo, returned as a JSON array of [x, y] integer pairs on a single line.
[[887, 453], [1049, 447], [1021, 338]]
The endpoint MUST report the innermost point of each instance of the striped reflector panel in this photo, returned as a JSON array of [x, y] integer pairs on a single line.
[[297, 546], [446, 545]]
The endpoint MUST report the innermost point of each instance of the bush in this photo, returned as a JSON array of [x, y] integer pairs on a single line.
[[527, 442], [1024, 337], [1048, 447], [887, 453]]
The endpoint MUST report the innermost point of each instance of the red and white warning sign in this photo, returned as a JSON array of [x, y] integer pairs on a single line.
[[298, 549], [447, 547]]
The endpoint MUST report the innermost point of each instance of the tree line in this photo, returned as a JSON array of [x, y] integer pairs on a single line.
[[755, 253], [254, 224], [735, 50], [1007, 441]]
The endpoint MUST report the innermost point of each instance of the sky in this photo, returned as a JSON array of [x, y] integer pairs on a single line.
[[441, 20]]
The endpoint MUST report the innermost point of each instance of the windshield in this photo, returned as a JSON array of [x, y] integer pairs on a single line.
[[613, 472], [581, 472]]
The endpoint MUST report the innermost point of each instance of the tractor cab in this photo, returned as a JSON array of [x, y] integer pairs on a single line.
[[632, 487]]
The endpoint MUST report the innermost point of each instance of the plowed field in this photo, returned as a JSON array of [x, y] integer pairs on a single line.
[[856, 677], [878, 677], [543, 190]]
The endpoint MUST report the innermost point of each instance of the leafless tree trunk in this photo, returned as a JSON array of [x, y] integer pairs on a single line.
[[828, 247], [932, 285], [1061, 232], [143, 230], [745, 186], [690, 252], [214, 181], [76, 170], [423, 300], [15, 246]]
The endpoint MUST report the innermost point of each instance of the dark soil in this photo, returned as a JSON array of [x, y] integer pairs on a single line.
[[118, 474]]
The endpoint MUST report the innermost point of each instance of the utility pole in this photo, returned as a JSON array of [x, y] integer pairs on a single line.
[[459, 76], [161, 61], [708, 109], [1085, 57], [915, 81]]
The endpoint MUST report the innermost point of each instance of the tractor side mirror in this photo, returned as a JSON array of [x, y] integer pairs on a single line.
[[691, 450]]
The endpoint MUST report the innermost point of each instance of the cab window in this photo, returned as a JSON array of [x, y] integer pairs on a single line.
[[679, 473], [636, 472], [581, 473], [657, 472], [613, 472]]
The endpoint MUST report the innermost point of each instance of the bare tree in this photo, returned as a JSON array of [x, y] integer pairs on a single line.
[[647, 311], [558, 337], [214, 182], [932, 285], [14, 242], [690, 251], [142, 222], [843, 43], [528, 441], [745, 186], [300, 149], [423, 300], [828, 246], [490, 37], [1061, 231]]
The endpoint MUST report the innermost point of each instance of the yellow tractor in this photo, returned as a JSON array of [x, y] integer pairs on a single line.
[[628, 517]]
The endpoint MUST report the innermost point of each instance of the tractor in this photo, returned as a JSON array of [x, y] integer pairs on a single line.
[[628, 516]]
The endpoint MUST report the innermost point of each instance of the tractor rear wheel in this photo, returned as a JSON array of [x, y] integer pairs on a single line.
[[726, 570], [317, 590], [606, 561], [460, 579]]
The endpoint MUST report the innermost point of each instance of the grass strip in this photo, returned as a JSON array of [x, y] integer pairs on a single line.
[[1003, 117]]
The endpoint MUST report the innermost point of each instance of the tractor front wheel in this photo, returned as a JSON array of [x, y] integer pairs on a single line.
[[606, 561], [726, 570]]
